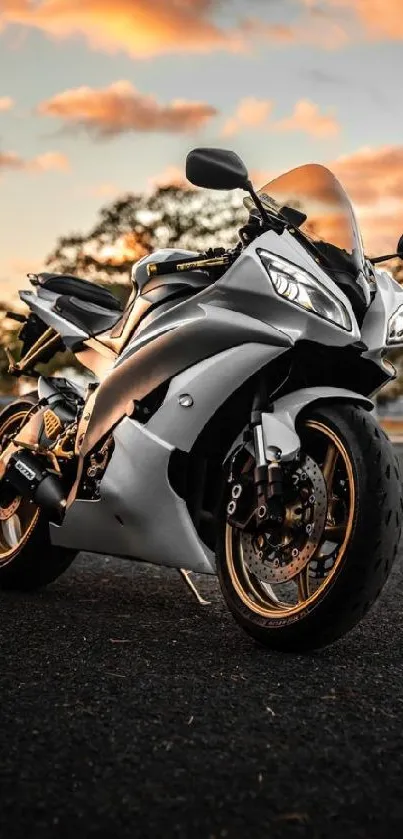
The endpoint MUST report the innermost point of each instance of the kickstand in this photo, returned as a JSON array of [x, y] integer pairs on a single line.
[[186, 576]]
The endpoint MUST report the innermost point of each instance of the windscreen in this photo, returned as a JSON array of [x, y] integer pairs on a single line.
[[330, 221]]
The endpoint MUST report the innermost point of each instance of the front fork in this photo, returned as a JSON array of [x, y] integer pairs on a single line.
[[262, 501]]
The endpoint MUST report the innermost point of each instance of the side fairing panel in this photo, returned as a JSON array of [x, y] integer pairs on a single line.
[[208, 384], [206, 332], [138, 515]]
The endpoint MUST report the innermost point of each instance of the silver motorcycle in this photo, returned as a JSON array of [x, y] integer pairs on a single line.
[[228, 428]]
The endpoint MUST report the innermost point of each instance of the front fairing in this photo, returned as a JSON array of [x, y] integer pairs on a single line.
[[247, 287], [388, 298]]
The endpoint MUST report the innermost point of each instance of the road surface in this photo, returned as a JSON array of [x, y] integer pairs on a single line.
[[128, 710]]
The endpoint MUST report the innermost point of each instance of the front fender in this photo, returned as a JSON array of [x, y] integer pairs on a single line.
[[279, 425]]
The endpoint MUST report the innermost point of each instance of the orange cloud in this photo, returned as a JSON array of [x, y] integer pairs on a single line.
[[371, 175], [373, 179], [142, 29], [50, 161], [381, 231], [139, 28], [10, 160], [250, 113], [6, 103], [120, 108], [47, 162], [381, 19], [307, 118]]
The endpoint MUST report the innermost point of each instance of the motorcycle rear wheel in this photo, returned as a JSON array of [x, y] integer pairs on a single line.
[[357, 540], [28, 560]]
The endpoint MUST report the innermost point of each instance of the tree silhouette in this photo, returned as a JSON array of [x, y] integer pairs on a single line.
[[135, 225], [8, 338]]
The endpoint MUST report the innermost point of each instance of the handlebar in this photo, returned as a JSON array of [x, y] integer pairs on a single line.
[[176, 266]]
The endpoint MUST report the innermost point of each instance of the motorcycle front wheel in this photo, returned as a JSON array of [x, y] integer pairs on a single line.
[[304, 586]]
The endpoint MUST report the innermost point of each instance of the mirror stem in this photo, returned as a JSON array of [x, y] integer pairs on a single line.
[[387, 256], [256, 200]]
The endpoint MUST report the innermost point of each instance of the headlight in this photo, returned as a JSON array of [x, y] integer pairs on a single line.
[[302, 289], [395, 327]]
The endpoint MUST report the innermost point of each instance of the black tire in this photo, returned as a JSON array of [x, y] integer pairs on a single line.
[[368, 557], [37, 563]]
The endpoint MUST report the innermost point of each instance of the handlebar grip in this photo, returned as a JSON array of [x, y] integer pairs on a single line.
[[157, 269]]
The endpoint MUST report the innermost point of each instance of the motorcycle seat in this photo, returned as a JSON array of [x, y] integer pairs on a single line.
[[69, 285], [89, 317]]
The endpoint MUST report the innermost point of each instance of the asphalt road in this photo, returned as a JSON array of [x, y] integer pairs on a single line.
[[128, 710]]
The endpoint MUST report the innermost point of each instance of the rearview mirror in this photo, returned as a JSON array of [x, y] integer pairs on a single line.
[[216, 169]]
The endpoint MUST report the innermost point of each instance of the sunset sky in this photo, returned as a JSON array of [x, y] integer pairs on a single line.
[[99, 97]]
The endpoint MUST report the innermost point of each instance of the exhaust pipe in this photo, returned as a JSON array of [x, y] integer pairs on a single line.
[[29, 475]]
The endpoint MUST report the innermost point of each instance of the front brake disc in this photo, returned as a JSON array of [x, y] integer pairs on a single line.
[[275, 564]]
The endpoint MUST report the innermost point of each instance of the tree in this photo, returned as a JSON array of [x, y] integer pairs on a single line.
[[8, 338], [135, 225]]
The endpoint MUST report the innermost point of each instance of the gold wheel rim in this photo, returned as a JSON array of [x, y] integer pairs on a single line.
[[252, 593], [27, 514]]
